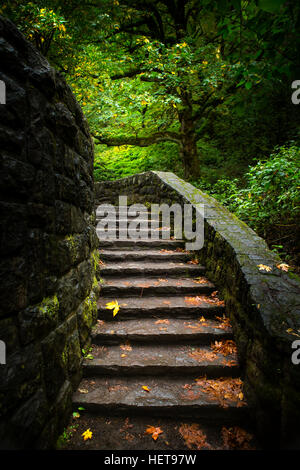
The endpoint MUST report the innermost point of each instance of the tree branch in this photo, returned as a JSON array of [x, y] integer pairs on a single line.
[[137, 71], [138, 141]]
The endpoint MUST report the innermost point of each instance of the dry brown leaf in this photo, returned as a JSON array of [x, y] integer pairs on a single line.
[[224, 347], [193, 261], [126, 346], [193, 436], [237, 438], [223, 390], [224, 323]]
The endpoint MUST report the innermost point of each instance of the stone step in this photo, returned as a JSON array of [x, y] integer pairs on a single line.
[[140, 285], [177, 306], [164, 233], [152, 268], [124, 255], [167, 396], [124, 214], [169, 330], [143, 219], [142, 244], [158, 360]]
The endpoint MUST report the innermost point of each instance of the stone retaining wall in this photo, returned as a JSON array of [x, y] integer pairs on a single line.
[[264, 306], [48, 245]]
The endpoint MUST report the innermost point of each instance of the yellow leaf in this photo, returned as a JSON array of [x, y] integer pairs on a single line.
[[114, 305], [87, 434], [144, 387], [263, 267]]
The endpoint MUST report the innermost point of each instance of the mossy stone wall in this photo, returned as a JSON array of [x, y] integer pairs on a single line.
[[48, 245]]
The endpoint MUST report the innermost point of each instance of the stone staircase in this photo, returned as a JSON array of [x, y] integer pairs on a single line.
[[169, 351]]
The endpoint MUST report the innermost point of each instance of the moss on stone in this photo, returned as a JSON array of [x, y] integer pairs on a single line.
[[95, 259], [49, 306]]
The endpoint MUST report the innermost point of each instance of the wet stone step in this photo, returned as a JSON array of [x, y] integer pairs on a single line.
[[201, 331], [157, 360], [166, 396], [152, 255], [152, 268], [140, 219], [157, 234], [140, 285], [174, 306], [147, 243]]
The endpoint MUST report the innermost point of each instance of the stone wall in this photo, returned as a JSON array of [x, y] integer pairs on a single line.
[[264, 306], [48, 245]]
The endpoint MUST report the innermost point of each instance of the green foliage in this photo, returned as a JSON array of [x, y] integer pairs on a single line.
[[269, 202], [272, 194], [119, 162]]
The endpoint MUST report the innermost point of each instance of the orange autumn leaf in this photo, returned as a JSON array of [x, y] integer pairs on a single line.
[[155, 432], [144, 387], [193, 261]]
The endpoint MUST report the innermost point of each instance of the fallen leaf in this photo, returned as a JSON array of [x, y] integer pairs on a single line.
[[193, 436], [87, 434], [236, 438], [162, 321], [144, 387], [224, 347], [114, 305], [83, 390], [263, 267], [126, 346], [223, 389], [155, 432], [283, 266]]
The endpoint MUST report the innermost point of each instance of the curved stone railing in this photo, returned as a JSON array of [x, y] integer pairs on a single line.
[[264, 305]]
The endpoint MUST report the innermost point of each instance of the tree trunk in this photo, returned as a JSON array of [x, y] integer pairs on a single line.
[[188, 144]]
